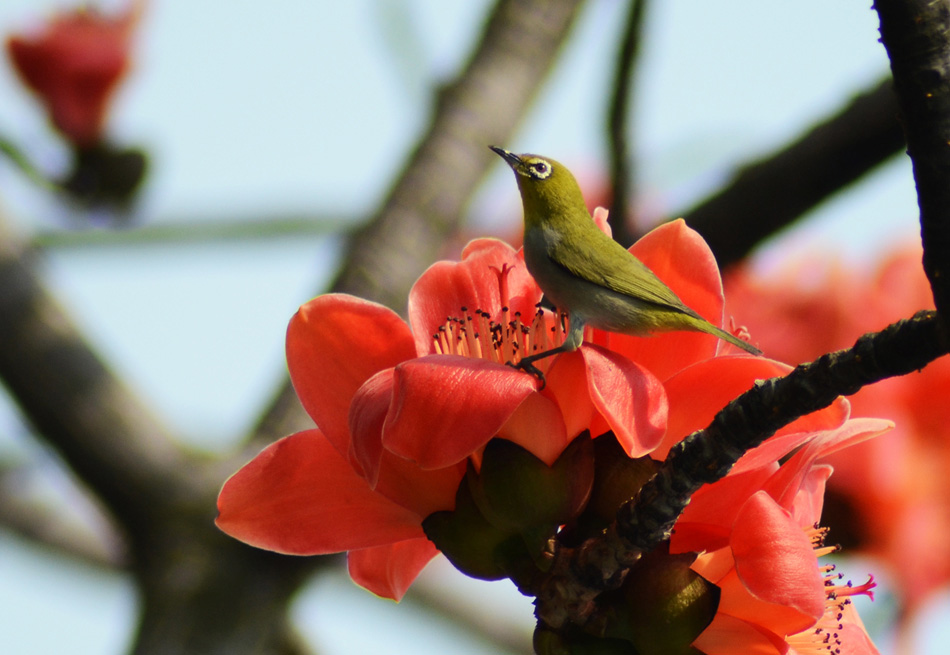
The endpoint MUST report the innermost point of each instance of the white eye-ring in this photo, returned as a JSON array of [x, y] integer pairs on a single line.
[[539, 169]]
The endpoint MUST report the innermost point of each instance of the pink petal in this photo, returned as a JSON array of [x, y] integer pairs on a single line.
[[473, 283], [600, 217], [446, 407], [335, 343], [853, 635], [778, 566], [388, 571], [299, 496], [806, 506], [787, 482], [630, 399]]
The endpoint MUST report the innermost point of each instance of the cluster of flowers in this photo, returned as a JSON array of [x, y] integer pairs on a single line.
[[885, 489], [408, 416]]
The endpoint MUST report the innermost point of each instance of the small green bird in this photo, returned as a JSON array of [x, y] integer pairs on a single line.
[[584, 272]]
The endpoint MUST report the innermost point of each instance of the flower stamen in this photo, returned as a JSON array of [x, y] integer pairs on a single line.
[[826, 635], [507, 339]]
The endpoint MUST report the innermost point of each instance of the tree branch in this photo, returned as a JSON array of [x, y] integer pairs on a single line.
[[101, 430], [56, 526], [916, 34], [622, 165], [769, 194], [482, 106]]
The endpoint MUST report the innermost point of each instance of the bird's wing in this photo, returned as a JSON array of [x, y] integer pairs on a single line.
[[604, 262]]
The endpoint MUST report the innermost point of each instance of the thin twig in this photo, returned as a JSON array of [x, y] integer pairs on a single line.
[[622, 165]]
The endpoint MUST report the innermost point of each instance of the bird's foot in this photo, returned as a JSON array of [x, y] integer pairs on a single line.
[[530, 368]]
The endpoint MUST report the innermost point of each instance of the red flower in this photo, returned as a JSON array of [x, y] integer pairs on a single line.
[[398, 421], [758, 537], [402, 412], [74, 66]]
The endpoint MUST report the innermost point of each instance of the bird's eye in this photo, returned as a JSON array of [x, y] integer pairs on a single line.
[[540, 169]]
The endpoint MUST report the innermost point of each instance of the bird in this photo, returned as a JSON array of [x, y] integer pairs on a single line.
[[584, 272]]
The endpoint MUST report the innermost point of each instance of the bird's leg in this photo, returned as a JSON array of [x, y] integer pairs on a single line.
[[575, 337], [527, 363]]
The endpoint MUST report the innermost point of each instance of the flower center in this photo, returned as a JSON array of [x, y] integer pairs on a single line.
[[503, 338], [826, 635]]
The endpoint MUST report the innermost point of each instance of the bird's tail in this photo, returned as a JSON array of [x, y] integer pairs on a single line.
[[730, 338]]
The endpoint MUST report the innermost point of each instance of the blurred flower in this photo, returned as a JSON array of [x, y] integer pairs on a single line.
[[885, 489], [74, 66]]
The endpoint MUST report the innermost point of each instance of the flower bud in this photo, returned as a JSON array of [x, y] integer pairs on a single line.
[[517, 491]]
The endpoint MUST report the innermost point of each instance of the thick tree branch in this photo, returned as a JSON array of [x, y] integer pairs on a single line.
[[622, 173], [916, 34], [581, 574], [769, 194], [101, 430], [482, 106]]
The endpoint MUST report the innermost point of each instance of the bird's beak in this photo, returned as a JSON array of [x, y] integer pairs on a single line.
[[510, 158]]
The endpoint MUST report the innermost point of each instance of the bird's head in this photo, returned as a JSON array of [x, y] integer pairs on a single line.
[[548, 189]]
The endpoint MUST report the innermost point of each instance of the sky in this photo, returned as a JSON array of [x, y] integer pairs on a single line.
[[250, 110]]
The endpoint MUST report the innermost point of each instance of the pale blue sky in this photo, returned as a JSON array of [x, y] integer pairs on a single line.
[[250, 109]]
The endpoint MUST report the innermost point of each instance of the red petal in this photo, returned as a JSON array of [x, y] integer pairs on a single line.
[[388, 571], [707, 521], [299, 496], [538, 426], [74, 65], [679, 257], [423, 491], [446, 287], [629, 398], [697, 393], [367, 418], [446, 407], [567, 385], [335, 343], [727, 635], [776, 563]]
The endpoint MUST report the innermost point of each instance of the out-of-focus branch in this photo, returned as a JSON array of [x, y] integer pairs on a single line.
[[581, 574], [54, 526], [196, 230], [916, 34], [482, 106], [769, 194], [105, 434], [622, 166]]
